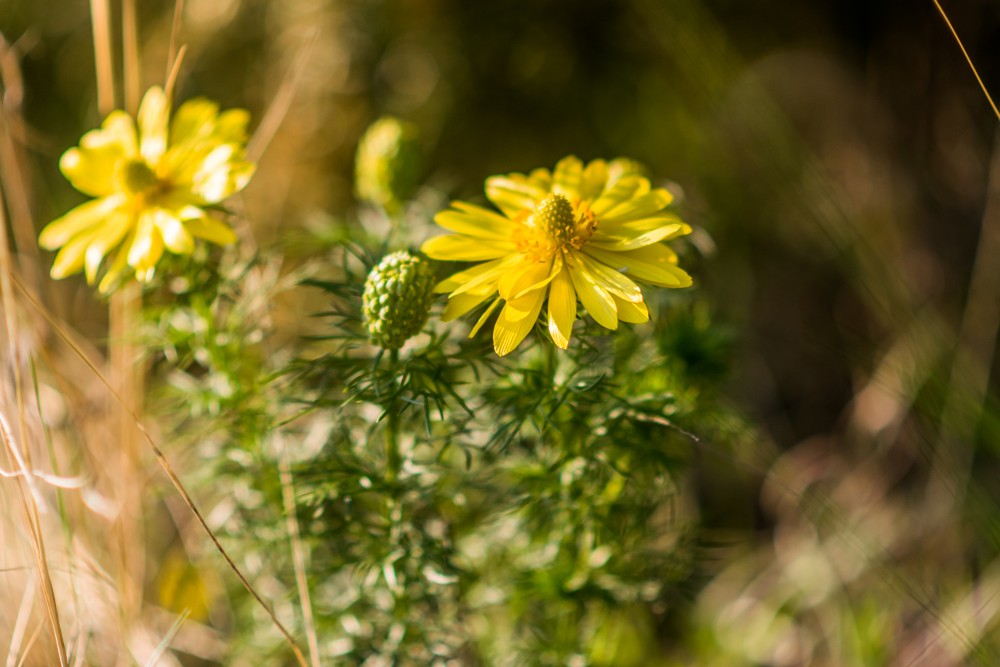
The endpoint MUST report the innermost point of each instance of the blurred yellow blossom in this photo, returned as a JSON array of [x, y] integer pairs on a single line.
[[387, 166], [154, 179], [581, 232]]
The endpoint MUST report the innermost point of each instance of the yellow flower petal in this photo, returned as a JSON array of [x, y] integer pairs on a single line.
[[654, 264], [622, 190], [194, 120], [202, 174], [557, 267], [633, 313], [176, 237], [519, 309], [529, 274], [92, 167], [92, 170], [214, 178], [147, 247], [621, 167], [70, 258], [599, 304], [460, 304], [240, 173], [594, 178], [111, 235], [465, 249], [562, 309], [456, 280], [78, 221], [567, 177], [475, 221], [639, 207], [117, 268], [541, 179], [617, 243], [210, 229], [232, 126], [611, 281], [633, 228], [118, 129], [513, 194], [181, 161], [488, 280], [153, 114], [515, 321], [485, 316]]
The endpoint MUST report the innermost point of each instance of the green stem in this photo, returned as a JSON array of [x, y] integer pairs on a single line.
[[551, 363], [392, 457]]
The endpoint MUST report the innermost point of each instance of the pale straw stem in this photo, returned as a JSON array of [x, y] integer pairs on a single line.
[[298, 556], [28, 505], [100, 18], [281, 103], [173, 51], [168, 469], [132, 67]]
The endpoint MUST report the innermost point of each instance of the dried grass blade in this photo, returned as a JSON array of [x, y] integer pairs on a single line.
[[298, 557], [968, 59], [168, 469]]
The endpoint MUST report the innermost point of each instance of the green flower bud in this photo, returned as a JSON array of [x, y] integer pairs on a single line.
[[387, 165], [397, 299]]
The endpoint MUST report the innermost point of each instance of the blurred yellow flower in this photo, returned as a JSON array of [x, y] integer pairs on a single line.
[[583, 232], [153, 185]]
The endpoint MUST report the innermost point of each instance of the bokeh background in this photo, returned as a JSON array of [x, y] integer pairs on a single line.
[[839, 160]]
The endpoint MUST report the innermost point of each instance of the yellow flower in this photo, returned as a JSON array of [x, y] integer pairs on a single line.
[[583, 232], [153, 185]]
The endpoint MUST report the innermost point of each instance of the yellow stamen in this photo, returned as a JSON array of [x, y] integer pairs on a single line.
[[556, 225]]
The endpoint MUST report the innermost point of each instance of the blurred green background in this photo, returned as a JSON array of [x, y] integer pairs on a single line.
[[836, 152], [836, 156]]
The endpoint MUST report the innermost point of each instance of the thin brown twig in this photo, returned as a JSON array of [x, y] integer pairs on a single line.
[[282, 102], [167, 469], [298, 556], [969, 377], [968, 59]]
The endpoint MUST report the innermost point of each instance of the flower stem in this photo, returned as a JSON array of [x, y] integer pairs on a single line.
[[127, 376], [551, 363], [392, 457]]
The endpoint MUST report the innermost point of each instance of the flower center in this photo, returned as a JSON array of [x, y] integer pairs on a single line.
[[555, 225], [554, 215], [136, 178]]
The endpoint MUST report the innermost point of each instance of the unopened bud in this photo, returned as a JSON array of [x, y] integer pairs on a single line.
[[387, 165], [397, 299]]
